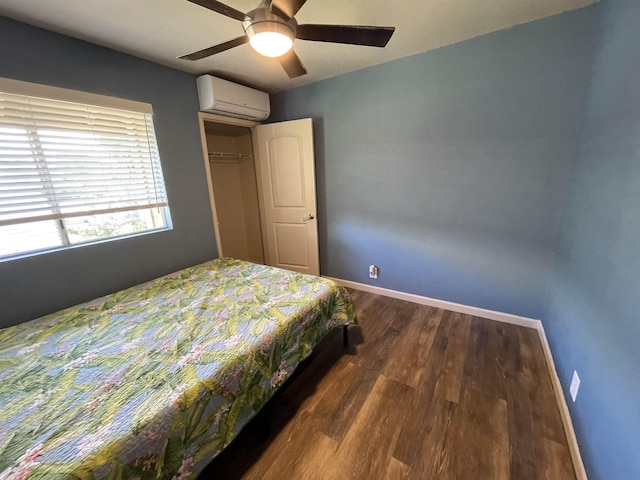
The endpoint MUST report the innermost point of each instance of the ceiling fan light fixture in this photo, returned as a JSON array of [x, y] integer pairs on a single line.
[[271, 39], [271, 29]]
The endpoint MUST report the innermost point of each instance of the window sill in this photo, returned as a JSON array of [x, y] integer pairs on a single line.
[[20, 256]]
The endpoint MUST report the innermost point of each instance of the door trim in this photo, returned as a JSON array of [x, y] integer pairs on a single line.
[[210, 117], [257, 165]]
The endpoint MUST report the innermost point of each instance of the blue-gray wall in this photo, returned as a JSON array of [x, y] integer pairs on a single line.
[[448, 169], [41, 284], [593, 317], [451, 170]]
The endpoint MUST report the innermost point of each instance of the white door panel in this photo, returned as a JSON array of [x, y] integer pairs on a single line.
[[286, 169], [291, 245]]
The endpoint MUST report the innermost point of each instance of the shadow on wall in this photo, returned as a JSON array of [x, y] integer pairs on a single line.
[[321, 187], [466, 147], [449, 265]]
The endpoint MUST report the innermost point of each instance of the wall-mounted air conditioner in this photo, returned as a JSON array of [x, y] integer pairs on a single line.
[[230, 99]]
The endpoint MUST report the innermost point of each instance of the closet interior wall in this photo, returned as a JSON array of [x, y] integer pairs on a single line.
[[236, 195]]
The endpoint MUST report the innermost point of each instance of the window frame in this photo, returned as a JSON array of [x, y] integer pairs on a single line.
[[18, 87]]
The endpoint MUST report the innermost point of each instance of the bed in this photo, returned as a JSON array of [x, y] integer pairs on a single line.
[[154, 381]]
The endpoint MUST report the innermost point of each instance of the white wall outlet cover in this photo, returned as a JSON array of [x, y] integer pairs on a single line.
[[373, 271], [575, 385]]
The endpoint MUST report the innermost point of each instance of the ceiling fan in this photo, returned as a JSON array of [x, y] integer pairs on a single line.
[[271, 29]]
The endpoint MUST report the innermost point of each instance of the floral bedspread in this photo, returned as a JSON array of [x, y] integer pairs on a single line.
[[155, 380]]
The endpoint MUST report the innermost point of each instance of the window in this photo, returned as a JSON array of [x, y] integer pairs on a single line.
[[75, 168]]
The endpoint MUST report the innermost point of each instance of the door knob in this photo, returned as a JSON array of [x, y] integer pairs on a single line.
[[310, 216]]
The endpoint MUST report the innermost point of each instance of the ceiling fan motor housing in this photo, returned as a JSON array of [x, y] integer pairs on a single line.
[[263, 20]]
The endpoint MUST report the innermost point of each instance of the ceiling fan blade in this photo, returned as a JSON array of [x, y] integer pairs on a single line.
[[292, 64], [207, 52], [220, 8], [350, 34], [288, 7]]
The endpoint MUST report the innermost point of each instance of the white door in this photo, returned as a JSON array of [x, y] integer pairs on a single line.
[[287, 182]]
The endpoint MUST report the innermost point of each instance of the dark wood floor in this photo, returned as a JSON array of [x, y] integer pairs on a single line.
[[421, 393]]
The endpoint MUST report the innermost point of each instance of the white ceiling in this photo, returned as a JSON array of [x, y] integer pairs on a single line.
[[161, 30]]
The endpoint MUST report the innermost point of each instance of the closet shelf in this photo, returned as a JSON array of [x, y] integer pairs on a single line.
[[229, 157]]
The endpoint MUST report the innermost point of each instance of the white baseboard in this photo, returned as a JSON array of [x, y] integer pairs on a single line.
[[574, 449], [578, 465], [434, 302]]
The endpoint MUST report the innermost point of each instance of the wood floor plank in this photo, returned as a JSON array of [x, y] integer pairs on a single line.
[[379, 422], [449, 381], [557, 461], [544, 404], [547, 429], [311, 409], [431, 457], [414, 346], [396, 470], [482, 371], [522, 460], [425, 415], [312, 463], [391, 316], [480, 438], [374, 356], [420, 393]]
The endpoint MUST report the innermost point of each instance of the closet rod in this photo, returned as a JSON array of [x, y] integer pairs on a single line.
[[229, 157]]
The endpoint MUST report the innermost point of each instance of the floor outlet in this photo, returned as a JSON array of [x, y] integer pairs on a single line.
[[373, 271], [575, 385]]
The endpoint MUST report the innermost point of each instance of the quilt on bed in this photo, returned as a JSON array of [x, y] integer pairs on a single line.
[[155, 380]]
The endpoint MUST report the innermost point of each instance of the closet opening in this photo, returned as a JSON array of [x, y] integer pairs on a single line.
[[230, 157]]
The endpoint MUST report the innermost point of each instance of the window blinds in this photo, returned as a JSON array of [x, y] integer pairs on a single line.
[[61, 159]]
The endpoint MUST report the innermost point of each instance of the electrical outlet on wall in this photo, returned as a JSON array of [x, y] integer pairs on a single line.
[[373, 271], [575, 385]]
